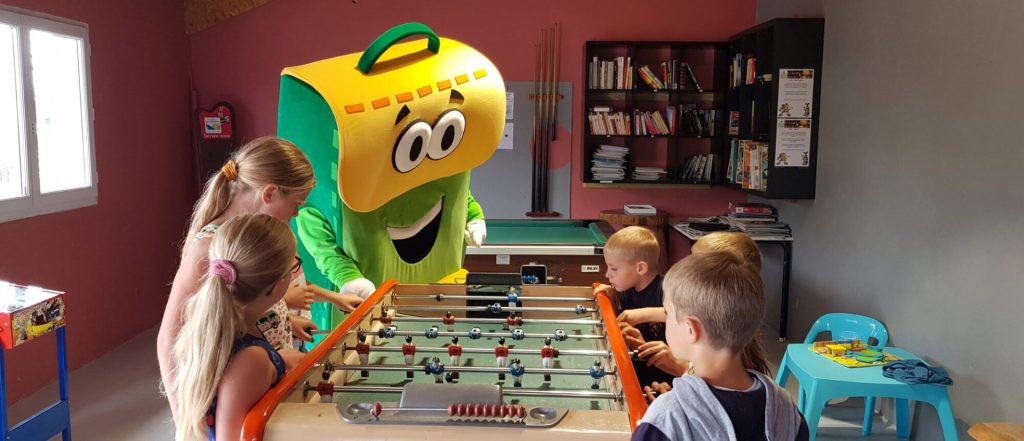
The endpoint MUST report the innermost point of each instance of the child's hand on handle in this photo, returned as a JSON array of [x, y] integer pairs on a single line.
[[658, 354], [348, 302], [302, 328], [643, 315], [360, 287], [601, 287], [656, 390], [632, 335]]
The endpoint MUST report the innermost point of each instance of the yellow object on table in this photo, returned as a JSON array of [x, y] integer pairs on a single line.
[[997, 432]]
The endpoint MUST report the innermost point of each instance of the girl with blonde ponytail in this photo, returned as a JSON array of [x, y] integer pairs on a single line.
[[270, 176], [223, 362]]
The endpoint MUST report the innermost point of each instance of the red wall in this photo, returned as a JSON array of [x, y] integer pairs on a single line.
[[114, 259], [240, 60]]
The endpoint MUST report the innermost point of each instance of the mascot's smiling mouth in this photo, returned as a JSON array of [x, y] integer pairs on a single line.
[[414, 242]]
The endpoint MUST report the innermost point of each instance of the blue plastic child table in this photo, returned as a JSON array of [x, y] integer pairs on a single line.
[[822, 380]]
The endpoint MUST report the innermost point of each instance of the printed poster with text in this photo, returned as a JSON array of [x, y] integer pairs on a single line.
[[793, 134]]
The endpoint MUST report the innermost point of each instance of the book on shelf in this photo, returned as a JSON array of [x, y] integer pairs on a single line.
[[748, 164], [698, 168], [604, 122], [698, 122], [651, 78], [751, 208], [692, 77], [648, 173], [612, 74], [734, 123]]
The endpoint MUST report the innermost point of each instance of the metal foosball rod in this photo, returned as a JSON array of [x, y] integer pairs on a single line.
[[571, 322], [442, 297], [498, 309], [483, 369], [513, 335], [561, 393], [561, 352]]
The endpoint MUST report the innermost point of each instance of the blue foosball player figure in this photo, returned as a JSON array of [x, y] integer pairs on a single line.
[[597, 373], [436, 368], [517, 370]]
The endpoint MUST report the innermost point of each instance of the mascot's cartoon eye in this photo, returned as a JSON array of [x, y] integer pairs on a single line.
[[448, 133], [411, 146]]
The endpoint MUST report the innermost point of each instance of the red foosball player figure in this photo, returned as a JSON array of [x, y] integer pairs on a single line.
[[363, 349], [547, 356], [501, 352], [513, 320], [409, 351], [454, 353], [326, 388], [385, 315], [449, 320]]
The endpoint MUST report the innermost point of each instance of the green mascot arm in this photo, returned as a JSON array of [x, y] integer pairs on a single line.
[[474, 211], [318, 237]]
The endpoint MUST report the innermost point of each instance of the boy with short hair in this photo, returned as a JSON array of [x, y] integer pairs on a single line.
[[631, 255], [714, 303]]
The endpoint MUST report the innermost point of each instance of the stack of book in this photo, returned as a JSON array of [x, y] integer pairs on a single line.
[[609, 163], [604, 122], [610, 74], [649, 173], [698, 168], [748, 164], [756, 219], [652, 123]]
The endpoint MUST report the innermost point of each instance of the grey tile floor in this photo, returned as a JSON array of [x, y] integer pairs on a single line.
[[115, 398]]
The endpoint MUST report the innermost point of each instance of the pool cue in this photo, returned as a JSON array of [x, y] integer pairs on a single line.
[[534, 171]]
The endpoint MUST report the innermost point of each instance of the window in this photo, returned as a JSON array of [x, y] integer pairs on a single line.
[[47, 159]]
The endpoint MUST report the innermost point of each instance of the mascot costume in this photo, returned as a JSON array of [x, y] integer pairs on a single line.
[[392, 134]]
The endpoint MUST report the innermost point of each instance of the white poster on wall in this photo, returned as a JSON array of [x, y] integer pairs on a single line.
[[793, 143], [796, 93]]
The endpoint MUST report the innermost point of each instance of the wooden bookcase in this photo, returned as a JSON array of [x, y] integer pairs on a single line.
[[708, 60], [785, 43]]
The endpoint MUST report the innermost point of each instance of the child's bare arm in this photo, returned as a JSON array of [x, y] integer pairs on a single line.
[[247, 377], [344, 302], [643, 315]]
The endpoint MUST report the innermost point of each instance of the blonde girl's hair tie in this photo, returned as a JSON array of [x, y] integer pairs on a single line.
[[223, 269], [230, 170]]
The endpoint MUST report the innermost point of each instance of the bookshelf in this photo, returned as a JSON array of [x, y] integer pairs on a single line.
[[656, 125], [769, 122]]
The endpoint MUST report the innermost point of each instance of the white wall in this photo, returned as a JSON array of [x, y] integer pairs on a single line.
[[919, 216]]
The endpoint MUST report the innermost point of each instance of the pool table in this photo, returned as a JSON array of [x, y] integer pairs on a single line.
[[564, 246]]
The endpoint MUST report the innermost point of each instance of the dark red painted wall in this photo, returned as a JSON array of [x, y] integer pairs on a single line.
[[114, 259]]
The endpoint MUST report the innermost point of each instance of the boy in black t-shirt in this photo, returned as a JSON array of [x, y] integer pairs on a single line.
[[631, 255]]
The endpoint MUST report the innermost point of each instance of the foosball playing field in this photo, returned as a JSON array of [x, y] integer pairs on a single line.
[[531, 361]]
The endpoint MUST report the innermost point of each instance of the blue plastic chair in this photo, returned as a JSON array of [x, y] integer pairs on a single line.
[[845, 326]]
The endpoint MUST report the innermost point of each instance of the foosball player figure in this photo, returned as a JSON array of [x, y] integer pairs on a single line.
[[454, 353], [514, 319], [449, 320], [409, 351], [326, 388], [517, 370], [363, 349], [435, 368], [501, 353], [385, 315], [547, 356], [597, 373]]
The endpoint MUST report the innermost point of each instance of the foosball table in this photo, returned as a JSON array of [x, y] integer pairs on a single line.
[[461, 362]]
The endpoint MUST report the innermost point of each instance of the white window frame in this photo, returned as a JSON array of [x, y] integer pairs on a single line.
[[37, 203]]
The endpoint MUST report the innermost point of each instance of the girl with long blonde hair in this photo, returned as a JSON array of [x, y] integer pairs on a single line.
[[223, 363]]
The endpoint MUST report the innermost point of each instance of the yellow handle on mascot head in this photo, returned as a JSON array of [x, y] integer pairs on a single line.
[[408, 114]]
